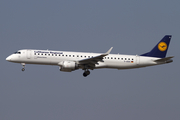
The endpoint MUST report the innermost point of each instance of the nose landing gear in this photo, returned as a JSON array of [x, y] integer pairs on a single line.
[[23, 64], [86, 73]]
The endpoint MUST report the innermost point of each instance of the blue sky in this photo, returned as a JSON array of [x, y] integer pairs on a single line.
[[131, 27]]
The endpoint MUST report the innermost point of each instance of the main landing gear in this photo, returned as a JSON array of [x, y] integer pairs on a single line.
[[86, 73], [23, 64]]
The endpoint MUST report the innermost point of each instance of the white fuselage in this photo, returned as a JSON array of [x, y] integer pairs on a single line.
[[48, 57], [70, 61]]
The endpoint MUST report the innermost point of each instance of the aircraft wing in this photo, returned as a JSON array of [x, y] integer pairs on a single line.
[[94, 60]]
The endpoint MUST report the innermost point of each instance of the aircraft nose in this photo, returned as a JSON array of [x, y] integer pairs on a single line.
[[8, 58]]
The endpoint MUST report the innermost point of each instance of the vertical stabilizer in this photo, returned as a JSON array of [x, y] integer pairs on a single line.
[[160, 49]]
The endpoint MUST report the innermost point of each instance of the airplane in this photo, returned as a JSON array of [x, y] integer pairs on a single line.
[[70, 61]]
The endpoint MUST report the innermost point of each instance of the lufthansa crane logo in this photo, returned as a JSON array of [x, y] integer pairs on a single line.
[[162, 46]]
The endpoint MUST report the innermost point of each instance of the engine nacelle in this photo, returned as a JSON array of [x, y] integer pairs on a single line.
[[67, 66]]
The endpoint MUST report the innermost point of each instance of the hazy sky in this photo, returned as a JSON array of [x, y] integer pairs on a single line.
[[131, 27]]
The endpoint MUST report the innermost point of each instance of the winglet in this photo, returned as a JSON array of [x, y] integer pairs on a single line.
[[108, 51]]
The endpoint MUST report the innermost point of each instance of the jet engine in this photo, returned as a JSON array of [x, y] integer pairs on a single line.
[[68, 66]]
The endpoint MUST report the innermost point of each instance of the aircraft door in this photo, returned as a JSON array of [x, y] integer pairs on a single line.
[[28, 54]]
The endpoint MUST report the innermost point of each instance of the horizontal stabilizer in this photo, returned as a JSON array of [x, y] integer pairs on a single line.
[[167, 59]]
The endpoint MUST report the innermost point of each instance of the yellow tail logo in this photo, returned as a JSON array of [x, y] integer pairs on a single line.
[[162, 46]]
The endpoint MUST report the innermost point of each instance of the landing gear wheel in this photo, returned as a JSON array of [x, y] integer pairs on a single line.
[[23, 64], [86, 73]]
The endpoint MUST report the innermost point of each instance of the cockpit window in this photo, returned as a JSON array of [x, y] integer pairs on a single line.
[[17, 52]]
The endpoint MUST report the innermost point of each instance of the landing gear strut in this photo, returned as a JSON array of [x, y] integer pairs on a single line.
[[86, 73], [23, 64]]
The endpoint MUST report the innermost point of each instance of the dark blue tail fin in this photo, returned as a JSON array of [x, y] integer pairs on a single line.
[[160, 49]]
